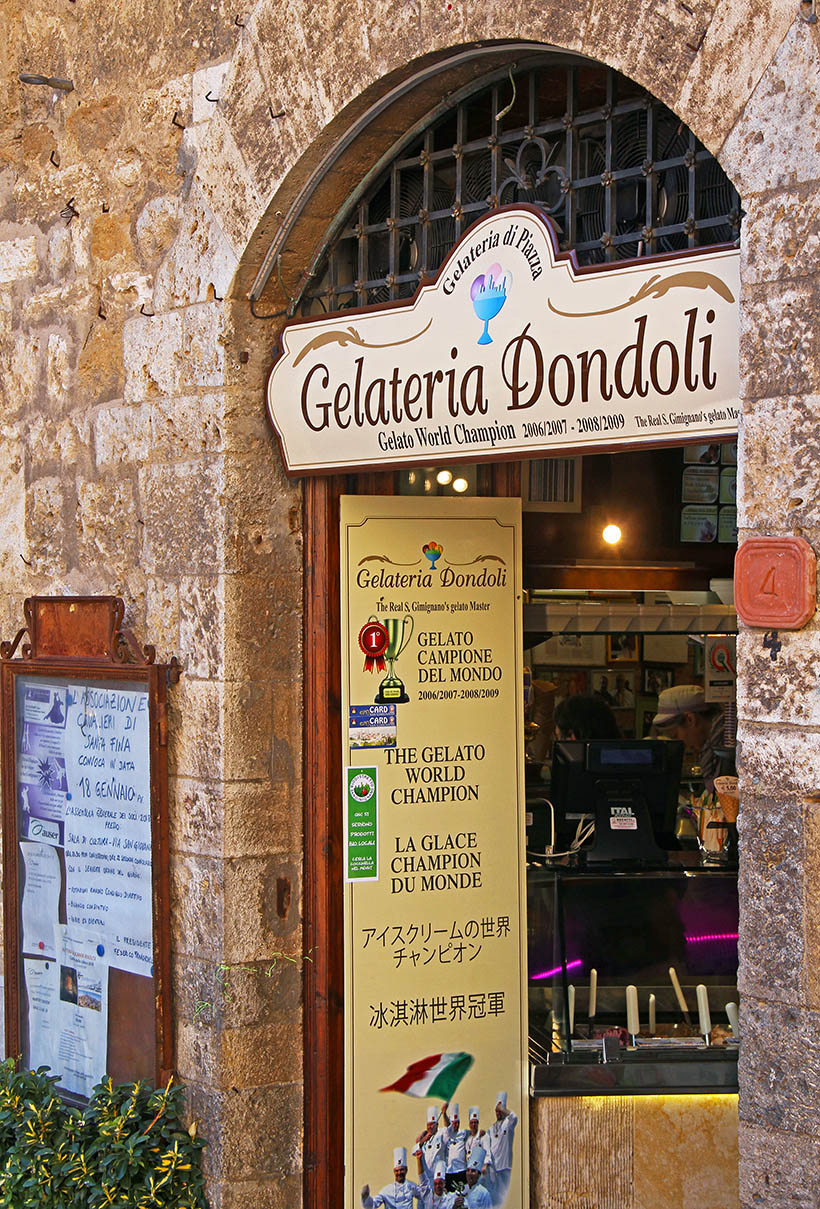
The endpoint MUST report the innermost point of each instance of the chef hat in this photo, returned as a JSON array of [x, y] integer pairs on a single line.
[[501, 1099], [440, 1171], [476, 1158], [473, 1116], [432, 1115], [454, 1110], [400, 1156]]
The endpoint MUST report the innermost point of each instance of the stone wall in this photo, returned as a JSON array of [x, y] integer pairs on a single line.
[[135, 459]]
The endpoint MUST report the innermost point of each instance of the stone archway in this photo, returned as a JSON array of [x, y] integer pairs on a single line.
[[287, 94]]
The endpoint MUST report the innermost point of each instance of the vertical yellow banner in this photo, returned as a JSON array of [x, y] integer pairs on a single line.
[[435, 932]]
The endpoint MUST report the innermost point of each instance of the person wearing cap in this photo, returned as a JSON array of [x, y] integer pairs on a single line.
[[477, 1195], [501, 1134], [474, 1134], [431, 1141], [455, 1139], [684, 714], [437, 1196], [401, 1193]]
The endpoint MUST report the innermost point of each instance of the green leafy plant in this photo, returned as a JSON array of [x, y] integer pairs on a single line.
[[127, 1146]]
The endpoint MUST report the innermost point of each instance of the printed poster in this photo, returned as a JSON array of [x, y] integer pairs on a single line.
[[435, 957]]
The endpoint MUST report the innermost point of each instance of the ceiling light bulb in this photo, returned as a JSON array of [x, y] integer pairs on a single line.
[[427, 484], [444, 477], [612, 535], [411, 477], [460, 485]]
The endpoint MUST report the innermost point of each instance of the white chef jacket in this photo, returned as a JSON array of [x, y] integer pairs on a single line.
[[457, 1150], [501, 1141], [433, 1150], [397, 1196], [478, 1197], [476, 1139]]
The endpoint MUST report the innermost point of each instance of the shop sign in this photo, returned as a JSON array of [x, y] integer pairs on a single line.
[[435, 935], [513, 352]]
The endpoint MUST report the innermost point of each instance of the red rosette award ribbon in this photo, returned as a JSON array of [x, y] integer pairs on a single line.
[[373, 640]]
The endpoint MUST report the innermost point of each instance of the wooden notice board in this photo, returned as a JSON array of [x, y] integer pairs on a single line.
[[83, 725]]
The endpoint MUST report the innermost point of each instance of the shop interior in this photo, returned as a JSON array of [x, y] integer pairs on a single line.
[[631, 851]]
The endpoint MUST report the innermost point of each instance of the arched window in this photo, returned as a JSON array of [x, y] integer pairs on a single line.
[[620, 175]]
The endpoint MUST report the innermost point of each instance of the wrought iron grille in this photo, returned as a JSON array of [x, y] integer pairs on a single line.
[[620, 175]]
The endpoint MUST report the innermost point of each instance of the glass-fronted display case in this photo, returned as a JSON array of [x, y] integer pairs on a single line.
[[670, 934]]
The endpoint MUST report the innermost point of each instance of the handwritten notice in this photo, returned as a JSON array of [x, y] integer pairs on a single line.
[[108, 823]]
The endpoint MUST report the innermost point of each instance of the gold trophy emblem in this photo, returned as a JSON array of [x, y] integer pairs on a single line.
[[399, 633]]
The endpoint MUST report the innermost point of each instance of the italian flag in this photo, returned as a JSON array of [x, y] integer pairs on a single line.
[[437, 1076]]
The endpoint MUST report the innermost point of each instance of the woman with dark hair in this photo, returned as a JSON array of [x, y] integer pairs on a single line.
[[585, 719]]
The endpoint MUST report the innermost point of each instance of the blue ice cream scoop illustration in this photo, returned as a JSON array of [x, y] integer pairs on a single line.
[[488, 294]]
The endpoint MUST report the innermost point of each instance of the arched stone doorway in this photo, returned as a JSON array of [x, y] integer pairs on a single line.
[[726, 98]]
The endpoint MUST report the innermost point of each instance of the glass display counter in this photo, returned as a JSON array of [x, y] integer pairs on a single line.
[[667, 937]]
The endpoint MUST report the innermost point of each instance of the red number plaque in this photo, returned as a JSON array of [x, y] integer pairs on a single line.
[[776, 582]]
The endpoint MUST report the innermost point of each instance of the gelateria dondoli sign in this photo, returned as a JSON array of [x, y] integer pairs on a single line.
[[514, 350]]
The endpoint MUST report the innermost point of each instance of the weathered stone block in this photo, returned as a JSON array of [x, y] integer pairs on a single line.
[[185, 427], [248, 730], [58, 369], [779, 1069], [778, 1170], [261, 1053], [779, 761], [208, 80], [781, 235], [151, 356], [274, 1193], [784, 689], [195, 730], [778, 353], [111, 237], [13, 544], [226, 184], [106, 523], [44, 519], [99, 368], [261, 819], [122, 435], [202, 625], [776, 140], [202, 353], [18, 259], [273, 1113], [772, 869], [776, 470], [162, 617], [201, 264], [196, 816], [181, 509], [739, 44], [262, 917], [157, 226], [264, 625], [196, 905]]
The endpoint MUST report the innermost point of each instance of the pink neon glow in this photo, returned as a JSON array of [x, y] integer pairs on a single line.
[[571, 965], [696, 940]]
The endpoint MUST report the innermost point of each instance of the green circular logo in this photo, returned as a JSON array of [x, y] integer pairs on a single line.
[[362, 787]]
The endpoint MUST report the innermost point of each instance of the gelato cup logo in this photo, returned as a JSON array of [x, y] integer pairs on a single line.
[[362, 787], [488, 294]]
